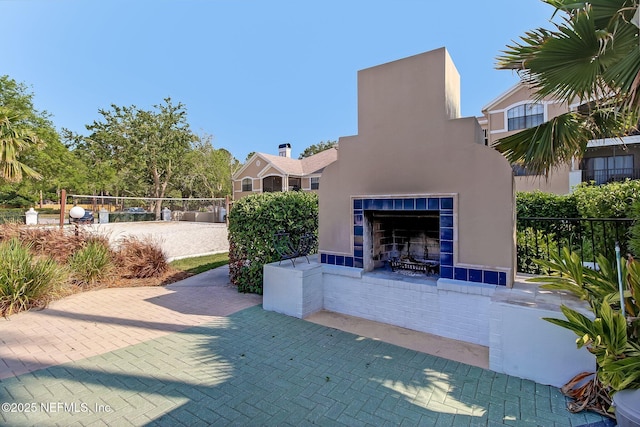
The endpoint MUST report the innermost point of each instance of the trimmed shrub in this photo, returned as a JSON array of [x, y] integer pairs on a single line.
[[613, 200], [254, 220], [26, 281], [547, 205], [17, 217]]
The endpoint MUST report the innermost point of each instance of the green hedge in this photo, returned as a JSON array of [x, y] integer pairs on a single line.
[[547, 205], [613, 200], [12, 216], [253, 220]]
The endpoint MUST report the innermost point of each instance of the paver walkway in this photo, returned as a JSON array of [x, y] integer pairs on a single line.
[[199, 353]]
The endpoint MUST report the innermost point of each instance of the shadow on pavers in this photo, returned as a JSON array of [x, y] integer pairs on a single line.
[[262, 368], [209, 293]]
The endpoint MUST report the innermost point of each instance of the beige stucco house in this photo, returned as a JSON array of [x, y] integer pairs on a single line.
[[268, 173], [604, 161]]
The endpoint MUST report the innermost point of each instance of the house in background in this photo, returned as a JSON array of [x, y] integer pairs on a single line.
[[607, 160], [268, 173]]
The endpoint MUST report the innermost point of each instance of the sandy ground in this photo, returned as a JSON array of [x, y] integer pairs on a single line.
[[179, 239]]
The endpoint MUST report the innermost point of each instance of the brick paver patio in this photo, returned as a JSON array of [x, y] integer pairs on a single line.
[[199, 353]]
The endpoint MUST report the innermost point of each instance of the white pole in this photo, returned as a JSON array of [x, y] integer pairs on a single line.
[[620, 279]]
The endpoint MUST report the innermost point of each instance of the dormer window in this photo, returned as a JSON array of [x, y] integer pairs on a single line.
[[525, 116]]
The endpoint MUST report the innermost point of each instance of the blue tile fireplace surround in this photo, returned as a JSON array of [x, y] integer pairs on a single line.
[[445, 206]]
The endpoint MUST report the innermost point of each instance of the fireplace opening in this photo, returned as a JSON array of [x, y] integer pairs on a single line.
[[402, 242]]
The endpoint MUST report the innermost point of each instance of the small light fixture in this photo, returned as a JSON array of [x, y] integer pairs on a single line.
[[76, 213]]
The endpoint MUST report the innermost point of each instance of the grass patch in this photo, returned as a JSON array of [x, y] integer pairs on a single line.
[[197, 265]]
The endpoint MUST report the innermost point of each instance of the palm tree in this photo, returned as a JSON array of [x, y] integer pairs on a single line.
[[14, 139], [591, 58]]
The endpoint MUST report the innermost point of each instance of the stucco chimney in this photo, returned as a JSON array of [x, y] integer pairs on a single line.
[[284, 150]]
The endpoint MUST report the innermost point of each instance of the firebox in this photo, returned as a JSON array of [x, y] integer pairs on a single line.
[[407, 242]]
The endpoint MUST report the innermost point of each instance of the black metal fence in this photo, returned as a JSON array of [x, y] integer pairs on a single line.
[[538, 237], [602, 176]]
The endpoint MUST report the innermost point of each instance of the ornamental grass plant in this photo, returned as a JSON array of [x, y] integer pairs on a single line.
[[141, 258], [91, 264], [38, 265], [27, 280]]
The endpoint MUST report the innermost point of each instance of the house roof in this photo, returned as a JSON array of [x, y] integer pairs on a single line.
[[307, 166], [519, 85], [286, 165], [317, 162]]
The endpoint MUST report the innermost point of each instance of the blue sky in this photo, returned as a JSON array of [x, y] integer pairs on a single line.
[[253, 74]]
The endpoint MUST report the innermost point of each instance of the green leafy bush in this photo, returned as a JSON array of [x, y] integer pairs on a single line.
[[25, 280], [252, 223], [532, 244], [611, 336], [546, 205], [91, 263], [613, 200], [12, 216], [634, 231]]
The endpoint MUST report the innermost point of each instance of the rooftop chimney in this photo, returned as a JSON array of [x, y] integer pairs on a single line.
[[284, 150]]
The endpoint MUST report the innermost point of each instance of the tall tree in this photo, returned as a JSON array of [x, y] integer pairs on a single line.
[[207, 171], [31, 142], [591, 58], [146, 147], [15, 138], [102, 177], [249, 156], [317, 148], [22, 128]]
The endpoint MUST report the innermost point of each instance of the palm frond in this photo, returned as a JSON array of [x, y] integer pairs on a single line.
[[547, 146]]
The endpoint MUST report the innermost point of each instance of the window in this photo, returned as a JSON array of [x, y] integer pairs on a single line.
[[315, 183], [607, 169], [272, 184], [247, 184], [525, 116], [295, 184]]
